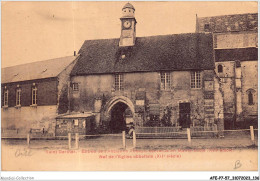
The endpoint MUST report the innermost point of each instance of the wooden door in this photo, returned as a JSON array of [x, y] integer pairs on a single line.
[[184, 115]]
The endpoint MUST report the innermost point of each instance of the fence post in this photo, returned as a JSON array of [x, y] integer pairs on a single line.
[[123, 138], [77, 140], [252, 133], [188, 134], [134, 139], [28, 140], [69, 140]]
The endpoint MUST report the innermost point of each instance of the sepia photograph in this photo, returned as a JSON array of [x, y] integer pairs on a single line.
[[129, 86]]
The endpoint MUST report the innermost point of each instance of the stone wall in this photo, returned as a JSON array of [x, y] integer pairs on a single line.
[[63, 90], [236, 40], [30, 117], [27, 116], [249, 71], [227, 81], [237, 79], [96, 91]]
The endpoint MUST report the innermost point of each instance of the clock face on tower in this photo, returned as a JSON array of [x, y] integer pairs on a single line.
[[127, 24]]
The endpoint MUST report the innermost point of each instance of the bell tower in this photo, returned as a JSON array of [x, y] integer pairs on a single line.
[[128, 26]]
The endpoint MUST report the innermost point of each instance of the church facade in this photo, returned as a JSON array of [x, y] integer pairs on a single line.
[[165, 80]]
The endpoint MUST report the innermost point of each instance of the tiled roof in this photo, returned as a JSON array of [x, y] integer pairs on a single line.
[[36, 70], [228, 23], [166, 52], [75, 115]]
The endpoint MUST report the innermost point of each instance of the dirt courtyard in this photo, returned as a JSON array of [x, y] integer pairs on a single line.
[[115, 141], [107, 153]]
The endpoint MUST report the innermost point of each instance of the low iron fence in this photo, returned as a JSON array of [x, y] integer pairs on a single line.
[[175, 132]]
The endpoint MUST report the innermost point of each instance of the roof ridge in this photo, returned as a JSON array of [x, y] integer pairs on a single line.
[[226, 15], [37, 61], [149, 36], [176, 34]]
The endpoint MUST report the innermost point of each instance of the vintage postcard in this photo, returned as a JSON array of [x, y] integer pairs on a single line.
[[129, 86]]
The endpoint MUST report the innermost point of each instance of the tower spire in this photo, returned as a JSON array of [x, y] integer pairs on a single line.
[[128, 28]]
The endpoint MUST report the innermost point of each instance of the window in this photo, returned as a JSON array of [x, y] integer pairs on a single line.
[[34, 95], [5, 97], [75, 86], [165, 80], [238, 63], [195, 80], [119, 81], [206, 27], [250, 94], [250, 98], [75, 122], [18, 97], [220, 68]]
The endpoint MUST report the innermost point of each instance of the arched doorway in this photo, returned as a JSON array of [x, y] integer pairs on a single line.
[[120, 113]]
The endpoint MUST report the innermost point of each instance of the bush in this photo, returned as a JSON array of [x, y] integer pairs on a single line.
[[166, 119]]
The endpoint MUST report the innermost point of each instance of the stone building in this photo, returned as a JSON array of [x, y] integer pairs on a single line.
[[34, 94], [165, 80], [236, 58]]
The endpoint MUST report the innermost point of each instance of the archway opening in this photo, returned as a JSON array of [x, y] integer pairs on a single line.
[[120, 114]]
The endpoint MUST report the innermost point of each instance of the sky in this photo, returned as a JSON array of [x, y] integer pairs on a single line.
[[35, 31]]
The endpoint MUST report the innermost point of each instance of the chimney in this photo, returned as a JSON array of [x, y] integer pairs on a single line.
[[75, 53]]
